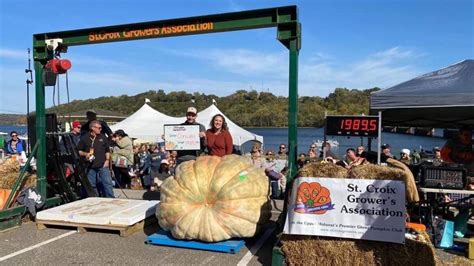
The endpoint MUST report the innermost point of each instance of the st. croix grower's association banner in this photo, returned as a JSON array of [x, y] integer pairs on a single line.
[[349, 208]]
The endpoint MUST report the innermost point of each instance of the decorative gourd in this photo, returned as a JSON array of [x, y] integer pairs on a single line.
[[214, 199]]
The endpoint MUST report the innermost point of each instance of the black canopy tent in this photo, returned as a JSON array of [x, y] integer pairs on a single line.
[[443, 98]]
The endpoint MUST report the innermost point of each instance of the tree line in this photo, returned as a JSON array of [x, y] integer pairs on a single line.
[[246, 108]]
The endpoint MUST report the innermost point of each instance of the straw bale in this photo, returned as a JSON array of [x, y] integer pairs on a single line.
[[410, 184], [373, 171], [323, 169], [398, 172], [313, 250], [10, 171]]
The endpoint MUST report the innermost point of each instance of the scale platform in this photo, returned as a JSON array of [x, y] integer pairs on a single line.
[[123, 215], [164, 238]]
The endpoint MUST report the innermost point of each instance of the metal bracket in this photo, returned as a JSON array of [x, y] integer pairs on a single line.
[[52, 44]]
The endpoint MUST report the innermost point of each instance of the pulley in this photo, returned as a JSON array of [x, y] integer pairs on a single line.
[[54, 67]]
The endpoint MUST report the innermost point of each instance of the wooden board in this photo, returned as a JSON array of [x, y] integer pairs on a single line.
[[82, 227], [100, 211]]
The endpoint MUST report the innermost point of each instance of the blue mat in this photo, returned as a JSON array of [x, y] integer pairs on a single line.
[[164, 238]]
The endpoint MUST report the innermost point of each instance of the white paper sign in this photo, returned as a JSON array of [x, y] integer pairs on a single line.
[[275, 165], [182, 137], [348, 208]]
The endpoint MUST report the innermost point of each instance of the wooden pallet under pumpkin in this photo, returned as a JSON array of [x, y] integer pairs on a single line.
[[123, 215], [124, 230]]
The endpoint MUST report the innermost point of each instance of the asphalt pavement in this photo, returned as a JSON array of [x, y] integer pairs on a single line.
[[28, 246]]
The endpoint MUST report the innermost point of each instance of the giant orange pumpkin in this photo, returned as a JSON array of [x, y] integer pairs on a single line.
[[214, 199]]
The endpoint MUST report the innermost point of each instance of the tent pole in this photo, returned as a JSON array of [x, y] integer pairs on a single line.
[[379, 139]]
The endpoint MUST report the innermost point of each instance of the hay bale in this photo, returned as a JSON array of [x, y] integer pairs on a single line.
[[10, 171], [312, 250], [372, 171], [323, 169], [367, 171], [410, 184]]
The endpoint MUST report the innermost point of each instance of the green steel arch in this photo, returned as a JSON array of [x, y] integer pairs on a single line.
[[285, 19]]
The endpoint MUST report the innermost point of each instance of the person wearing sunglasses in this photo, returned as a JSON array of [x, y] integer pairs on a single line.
[[15, 145], [76, 131], [282, 152], [68, 145], [94, 148], [312, 153]]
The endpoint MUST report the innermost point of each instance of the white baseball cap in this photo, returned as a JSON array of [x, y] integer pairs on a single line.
[[406, 151], [192, 110], [164, 161]]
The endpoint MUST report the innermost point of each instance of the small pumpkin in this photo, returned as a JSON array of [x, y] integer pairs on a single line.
[[214, 199]]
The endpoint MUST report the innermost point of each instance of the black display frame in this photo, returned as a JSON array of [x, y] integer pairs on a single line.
[[339, 125]]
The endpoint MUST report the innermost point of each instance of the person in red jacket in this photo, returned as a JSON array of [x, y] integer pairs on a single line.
[[219, 140], [459, 149]]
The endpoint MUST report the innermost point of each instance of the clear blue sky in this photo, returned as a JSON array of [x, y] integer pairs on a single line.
[[353, 44]]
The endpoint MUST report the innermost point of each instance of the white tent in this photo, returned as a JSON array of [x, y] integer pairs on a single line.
[[239, 135], [147, 123]]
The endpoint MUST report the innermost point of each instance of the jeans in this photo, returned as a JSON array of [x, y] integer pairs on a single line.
[[274, 189], [103, 176]]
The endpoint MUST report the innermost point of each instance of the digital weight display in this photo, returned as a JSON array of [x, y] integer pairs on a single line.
[[362, 126]]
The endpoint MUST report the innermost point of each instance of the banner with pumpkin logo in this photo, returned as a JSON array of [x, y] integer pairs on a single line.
[[348, 208]]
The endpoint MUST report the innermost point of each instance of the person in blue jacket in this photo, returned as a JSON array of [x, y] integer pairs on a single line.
[[144, 166], [15, 145]]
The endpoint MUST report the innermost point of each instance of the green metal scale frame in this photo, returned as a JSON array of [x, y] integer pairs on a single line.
[[285, 19]]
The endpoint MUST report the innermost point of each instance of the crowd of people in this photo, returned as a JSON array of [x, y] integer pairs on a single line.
[[142, 166], [113, 159]]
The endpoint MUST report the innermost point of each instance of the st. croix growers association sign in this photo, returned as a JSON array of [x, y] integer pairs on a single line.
[[348, 208]]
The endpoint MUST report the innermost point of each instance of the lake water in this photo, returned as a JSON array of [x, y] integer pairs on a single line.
[[22, 130], [273, 137]]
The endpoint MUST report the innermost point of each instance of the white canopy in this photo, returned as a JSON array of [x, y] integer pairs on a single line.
[[147, 124]]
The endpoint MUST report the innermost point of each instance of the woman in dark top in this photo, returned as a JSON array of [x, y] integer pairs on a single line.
[[219, 140]]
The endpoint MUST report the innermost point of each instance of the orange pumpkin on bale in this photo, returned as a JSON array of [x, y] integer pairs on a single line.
[[214, 199]]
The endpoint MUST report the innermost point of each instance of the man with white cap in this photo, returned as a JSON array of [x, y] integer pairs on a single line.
[[186, 155], [405, 156]]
